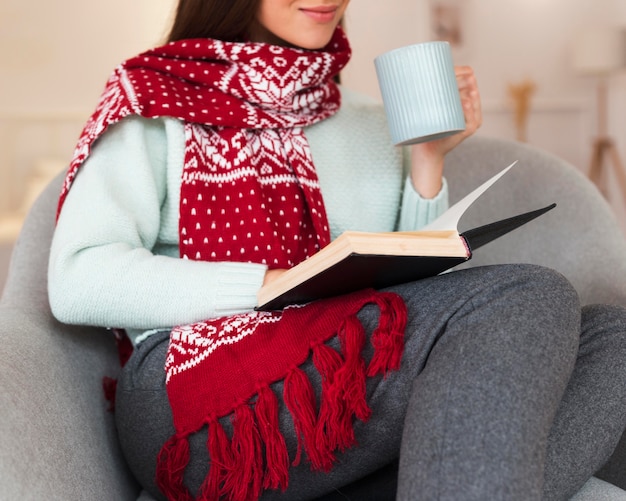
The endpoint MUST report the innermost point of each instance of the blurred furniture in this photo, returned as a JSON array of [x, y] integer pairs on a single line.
[[57, 438], [599, 52]]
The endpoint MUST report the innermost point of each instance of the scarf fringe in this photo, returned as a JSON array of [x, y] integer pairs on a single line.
[[171, 464], [222, 462], [388, 338], [343, 388], [255, 458], [276, 455], [245, 481], [300, 400], [332, 406]]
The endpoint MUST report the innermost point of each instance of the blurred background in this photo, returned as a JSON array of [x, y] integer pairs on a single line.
[[551, 73]]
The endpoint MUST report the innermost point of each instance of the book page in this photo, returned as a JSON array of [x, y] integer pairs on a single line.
[[449, 220]]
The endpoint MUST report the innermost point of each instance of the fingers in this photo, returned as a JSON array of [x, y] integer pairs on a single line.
[[470, 98]]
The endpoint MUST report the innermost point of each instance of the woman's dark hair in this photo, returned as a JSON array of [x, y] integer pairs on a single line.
[[227, 20]]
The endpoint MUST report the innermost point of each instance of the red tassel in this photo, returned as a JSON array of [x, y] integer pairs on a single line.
[[328, 361], [124, 351], [276, 455], [221, 461], [347, 391], [245, 480], [388, 338], [109, 386], [171, 464], [300, 400], [352, 339]]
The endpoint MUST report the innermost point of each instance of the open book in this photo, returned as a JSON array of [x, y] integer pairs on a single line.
[[358, 260]]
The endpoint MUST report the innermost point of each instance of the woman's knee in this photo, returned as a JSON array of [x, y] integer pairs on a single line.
[[542, 297], [521, 280], [603, 327], [540, 281], [528, 308], [523, 302]]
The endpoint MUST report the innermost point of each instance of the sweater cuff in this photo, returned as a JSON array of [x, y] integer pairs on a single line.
[[417, 211], [238, 287]]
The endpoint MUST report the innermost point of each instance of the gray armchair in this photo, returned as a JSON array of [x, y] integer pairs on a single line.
[[57, 438]]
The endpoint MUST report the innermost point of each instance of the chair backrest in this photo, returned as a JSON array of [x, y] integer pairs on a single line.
[[58, 437], [581, 237], [27, 275]]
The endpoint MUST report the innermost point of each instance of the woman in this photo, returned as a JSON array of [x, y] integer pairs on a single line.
[[232, 148]]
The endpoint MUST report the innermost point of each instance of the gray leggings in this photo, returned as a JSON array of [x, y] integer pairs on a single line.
[[505, 392]]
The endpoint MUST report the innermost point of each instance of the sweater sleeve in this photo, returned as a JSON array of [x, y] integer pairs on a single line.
[[416, 211], [104, 269]]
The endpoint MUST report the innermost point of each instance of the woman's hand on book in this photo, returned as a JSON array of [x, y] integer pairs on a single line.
[[427, 158]]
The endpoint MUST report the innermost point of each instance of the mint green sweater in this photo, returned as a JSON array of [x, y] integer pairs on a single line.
[[114, 258]]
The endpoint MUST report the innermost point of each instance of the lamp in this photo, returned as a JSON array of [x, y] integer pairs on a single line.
[[598, 52]]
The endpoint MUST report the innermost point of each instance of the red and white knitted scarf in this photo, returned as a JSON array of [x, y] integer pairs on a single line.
[[250, 193]]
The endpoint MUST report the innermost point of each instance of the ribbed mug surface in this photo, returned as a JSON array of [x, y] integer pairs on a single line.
[[420, 93]]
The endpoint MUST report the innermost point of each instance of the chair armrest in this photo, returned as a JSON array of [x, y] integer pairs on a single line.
[[57, 437]]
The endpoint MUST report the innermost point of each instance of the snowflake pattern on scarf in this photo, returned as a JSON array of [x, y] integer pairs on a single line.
[[247, 160]]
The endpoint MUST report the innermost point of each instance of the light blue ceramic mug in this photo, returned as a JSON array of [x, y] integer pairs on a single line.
[[420, 93]]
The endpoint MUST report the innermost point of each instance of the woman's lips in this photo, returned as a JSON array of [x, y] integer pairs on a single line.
[[321, 14]]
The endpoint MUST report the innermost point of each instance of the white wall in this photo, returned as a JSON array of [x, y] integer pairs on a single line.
[[54, 65], [57, 58], [54, 60]]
